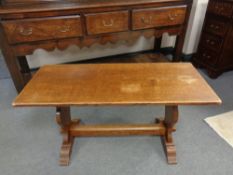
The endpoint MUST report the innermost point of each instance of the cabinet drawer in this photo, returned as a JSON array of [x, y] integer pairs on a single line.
[[207, 56], [107, 22], [158, 17], [211, 42], [220, 8], [216, 27], [42, 28]]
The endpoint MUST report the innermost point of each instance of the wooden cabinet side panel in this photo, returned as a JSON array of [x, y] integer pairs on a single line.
[[226, 59]]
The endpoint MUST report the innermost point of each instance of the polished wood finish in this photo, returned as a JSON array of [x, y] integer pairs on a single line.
[[63, 118], [117, 130], [215, 51], [171, 118], [158, 17], [28, 25], [42, 28], [211, 42], [169, 84], [221, 8], [216, 27], [107, 22], [116, 84]]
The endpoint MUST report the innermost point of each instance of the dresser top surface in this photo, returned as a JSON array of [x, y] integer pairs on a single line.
[[117, 84], [24, 6]]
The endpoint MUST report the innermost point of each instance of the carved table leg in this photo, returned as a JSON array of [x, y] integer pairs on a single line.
[[171, 117], [63, 118]]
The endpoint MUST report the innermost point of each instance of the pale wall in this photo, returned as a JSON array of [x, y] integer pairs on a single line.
[[73, 53]]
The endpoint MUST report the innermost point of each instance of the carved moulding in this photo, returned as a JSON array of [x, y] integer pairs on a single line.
[[87, 41]]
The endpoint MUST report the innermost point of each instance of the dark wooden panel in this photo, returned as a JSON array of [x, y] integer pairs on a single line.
[[107, 22], [215, 26], [42, 28], [227, 55], [157, 17], [212, 42], [220, 8], [207, 56], [215, 51]]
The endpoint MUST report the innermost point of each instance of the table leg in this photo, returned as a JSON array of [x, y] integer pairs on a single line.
[[63, 118], [171, 117]]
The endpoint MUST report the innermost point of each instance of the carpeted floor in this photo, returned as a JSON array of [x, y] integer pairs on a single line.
[[30, 141]]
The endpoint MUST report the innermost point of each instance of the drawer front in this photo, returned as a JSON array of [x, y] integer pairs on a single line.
[[211, 42], [107, 22], [158, 17], [216, 27], [207, 56], [42, 28], [220, 8]]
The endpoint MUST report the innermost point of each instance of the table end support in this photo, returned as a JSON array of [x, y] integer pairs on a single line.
[[171, 118], [63, 118]]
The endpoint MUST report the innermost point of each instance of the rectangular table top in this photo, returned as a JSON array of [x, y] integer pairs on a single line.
[[117, 84]]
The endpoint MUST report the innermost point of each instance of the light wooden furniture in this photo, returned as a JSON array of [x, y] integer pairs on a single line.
[[27, 25], [215, 51], [168, 84]]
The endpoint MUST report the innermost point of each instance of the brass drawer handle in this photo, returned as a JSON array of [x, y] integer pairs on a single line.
[[25, 32], [64, 29], [108, 24], [206, 55], [147, 21], [212, 26], [172, 17]]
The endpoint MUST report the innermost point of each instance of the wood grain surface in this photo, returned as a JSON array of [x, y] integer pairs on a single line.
[[107, 22], [42, 28], [158, 17], [117, 84]]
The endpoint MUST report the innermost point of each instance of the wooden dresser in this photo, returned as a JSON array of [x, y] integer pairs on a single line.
[[27, 25], [215, 52]]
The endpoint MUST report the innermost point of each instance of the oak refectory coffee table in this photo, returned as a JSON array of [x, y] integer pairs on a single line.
[[168, 84]]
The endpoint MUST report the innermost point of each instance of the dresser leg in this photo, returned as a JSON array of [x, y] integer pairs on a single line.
[[171, 117], [25, 70], [157, 44], [11, 62], [178, 48], [181, 37]]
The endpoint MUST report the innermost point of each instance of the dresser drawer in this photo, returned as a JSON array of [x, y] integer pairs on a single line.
[[220, 8], [207, 56], [42, 28], [158, 17], [107, 22], [211, 42], [216, 26]]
